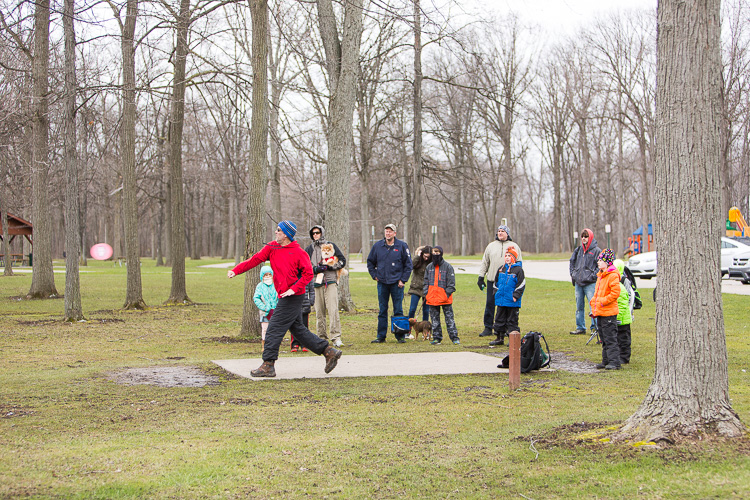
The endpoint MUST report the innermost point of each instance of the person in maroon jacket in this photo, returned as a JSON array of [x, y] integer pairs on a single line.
[[292, 271]]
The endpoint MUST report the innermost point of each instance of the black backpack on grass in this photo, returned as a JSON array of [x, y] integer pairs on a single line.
[[533, 357]]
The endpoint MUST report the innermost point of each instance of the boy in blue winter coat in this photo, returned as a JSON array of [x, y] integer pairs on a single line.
[[510, 284], [265, 298]]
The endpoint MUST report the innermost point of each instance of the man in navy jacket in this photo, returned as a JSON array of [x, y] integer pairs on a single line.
[[389, 263]]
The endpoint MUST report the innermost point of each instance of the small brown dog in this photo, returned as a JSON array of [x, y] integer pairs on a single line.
[[423, 327]]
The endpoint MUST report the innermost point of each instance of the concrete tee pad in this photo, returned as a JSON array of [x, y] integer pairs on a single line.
[[372, 365]]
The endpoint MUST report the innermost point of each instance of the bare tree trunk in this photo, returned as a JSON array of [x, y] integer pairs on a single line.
[[342, 63], [417, 231], [73, 310], [42, 278], [178, 293], [689, 395], [134, 289], [8, 268], [256, 199]]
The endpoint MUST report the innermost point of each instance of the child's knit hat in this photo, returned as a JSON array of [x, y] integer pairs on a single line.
[[513, 254], [607, 255]]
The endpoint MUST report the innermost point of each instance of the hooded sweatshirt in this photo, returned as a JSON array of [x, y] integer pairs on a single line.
[[439, 282], [494, 255], [290, 264], [316, 255], [583, 266], [265, 296]]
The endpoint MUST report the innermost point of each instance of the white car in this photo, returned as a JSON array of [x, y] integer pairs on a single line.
[[740, 268], [643, 265]]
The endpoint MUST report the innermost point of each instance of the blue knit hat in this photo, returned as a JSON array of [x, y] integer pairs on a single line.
[[289, 228]]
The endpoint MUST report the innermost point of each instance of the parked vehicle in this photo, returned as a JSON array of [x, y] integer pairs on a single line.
[[643, 265], [740, 268]]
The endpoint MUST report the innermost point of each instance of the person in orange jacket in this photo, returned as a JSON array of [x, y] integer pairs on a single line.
[[438, 288], [604, 309]]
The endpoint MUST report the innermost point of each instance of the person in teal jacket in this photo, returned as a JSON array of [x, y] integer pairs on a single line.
[[265, 298], [624, 313]]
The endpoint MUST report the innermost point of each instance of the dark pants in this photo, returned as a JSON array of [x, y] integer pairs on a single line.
[[607, 326], [305, 317], [489, 306], [386, 292], [450, 322], [414, 304], [288, 317], [623, 342], [506, 321]]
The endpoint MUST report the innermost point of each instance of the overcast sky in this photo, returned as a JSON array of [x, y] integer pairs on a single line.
[[562, 16]]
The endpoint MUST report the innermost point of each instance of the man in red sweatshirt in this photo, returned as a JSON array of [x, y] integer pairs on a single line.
[[292, 271]]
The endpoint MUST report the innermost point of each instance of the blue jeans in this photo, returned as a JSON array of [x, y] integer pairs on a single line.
[[585, 291], [415, 304], [385, 292]]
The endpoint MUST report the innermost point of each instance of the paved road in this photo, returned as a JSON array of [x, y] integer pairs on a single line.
[[557, 270]]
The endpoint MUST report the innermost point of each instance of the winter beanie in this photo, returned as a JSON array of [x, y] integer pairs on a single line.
[[289, 228], [507, 231], [437, 259], [513, 254], [607, 255]]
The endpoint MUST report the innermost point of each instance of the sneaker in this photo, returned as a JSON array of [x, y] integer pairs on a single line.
[[612, 367], [456, 341], [435, 342], [600, 366], [498, 342], [337, 343], [295, 348], [578, 332], [332, 356], [401, 341], [377, 341], [304, 349], [487, 332], [410, 336]]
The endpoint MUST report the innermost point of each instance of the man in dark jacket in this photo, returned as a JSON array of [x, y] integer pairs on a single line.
[[327, 298], [583, 271], [389, 263]]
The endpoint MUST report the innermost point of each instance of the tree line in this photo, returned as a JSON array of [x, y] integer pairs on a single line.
[[419, 115]]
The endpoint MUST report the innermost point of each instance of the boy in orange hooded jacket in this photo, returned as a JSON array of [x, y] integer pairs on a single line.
[[438, 288], [604, 309]]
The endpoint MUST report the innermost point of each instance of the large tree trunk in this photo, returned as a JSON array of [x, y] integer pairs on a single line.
[[689, 395], [342, 63], [73, 310], [256, 199], [42, 278], [134, 293], [178, 293]]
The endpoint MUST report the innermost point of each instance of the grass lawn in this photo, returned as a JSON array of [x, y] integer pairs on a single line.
[[67, 430]]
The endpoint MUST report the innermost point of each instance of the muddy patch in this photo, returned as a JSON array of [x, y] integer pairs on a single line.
[[164, 376]]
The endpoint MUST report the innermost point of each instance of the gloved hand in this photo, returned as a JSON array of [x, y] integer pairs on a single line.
[[480, 283]]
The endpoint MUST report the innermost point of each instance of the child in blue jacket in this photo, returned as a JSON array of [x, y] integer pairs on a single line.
[[266, 299], [510, 283]]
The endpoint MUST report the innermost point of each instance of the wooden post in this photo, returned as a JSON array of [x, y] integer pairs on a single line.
[[514, 364]]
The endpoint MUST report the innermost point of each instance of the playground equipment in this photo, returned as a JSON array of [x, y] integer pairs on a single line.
[[636, 241], [736, 225]]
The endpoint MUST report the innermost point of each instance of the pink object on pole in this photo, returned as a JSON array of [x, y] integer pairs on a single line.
[[101, 251]]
